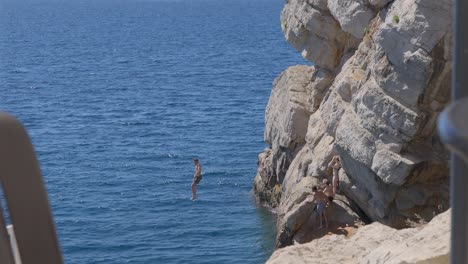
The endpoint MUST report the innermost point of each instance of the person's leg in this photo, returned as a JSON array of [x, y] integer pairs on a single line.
[[334, 183], [194, 191], [326, 220], [320, 219]]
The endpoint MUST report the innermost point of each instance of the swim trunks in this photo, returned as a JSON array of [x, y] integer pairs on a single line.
[[197, 179], [320, 208]]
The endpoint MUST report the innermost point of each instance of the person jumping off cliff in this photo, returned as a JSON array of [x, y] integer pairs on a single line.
[[196, 178], [335, 164], [321, 200]]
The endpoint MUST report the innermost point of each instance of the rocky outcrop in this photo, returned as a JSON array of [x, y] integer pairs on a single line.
[[296, 94], [376, 243], [300, 224], [310, 27], [381, 78], [353, 16]]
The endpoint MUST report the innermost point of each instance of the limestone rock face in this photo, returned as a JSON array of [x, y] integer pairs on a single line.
[[272, 166], [379, 3], [301, 223], [381, 77], [381, 112], [407, 35], [353, 16], [296, 94], [311, 29], [290, 105], [376, 243]]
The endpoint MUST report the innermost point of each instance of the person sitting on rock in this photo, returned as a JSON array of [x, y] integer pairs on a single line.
[[335, 164], [328, 190], [321, 200]]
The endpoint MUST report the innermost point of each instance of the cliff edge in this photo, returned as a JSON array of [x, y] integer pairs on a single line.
[[381, 76], [376, 243]]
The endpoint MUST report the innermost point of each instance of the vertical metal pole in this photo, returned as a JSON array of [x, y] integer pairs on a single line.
[[6, 254], [14, 244], [459, 170], [460, 70], [459, 204]]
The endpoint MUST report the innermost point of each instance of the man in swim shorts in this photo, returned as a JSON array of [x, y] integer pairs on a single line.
[[196, 178], [328, 190], [321, 200]]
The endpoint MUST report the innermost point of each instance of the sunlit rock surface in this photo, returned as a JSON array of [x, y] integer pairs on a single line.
[[381, 77]]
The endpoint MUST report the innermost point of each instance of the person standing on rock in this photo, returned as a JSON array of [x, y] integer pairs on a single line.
[[196, 178], [328, 190], [320, 200], [335, 164]]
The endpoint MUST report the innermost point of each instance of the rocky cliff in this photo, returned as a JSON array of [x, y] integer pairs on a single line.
[[374, 244], [381, 76]]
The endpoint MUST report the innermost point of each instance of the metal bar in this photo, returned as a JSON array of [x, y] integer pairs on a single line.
[[26, 196], [460, 58], [459, 196], [453, 130], [459, 169], [14, 244], [6, 255]]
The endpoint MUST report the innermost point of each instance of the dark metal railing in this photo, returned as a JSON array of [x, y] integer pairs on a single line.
[[26, 199], [453, 129]]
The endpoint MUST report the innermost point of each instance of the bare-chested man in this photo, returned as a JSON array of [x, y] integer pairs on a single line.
[[196, 178], [321, 200], [328, 190], [335, 164]]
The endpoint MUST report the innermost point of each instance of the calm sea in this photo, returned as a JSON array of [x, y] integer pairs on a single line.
[[119, 95]]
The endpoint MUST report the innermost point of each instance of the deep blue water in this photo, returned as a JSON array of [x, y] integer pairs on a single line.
[[118, 96]]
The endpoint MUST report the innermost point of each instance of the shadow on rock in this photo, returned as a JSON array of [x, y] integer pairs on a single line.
[[301, 224]]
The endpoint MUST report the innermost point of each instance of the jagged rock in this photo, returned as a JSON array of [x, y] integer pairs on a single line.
[[353, 16], [301, 223], [319, 4], [296, 93], [394, 123], [387, 141], [391, 167], [296, 222], [408, 34], [366, 189], [311, 29], [376, 243], [379, 3], [431, 244], [309, 163], [340, 216], [320, 82], [272, 166], [377, 109], [287, 111]]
